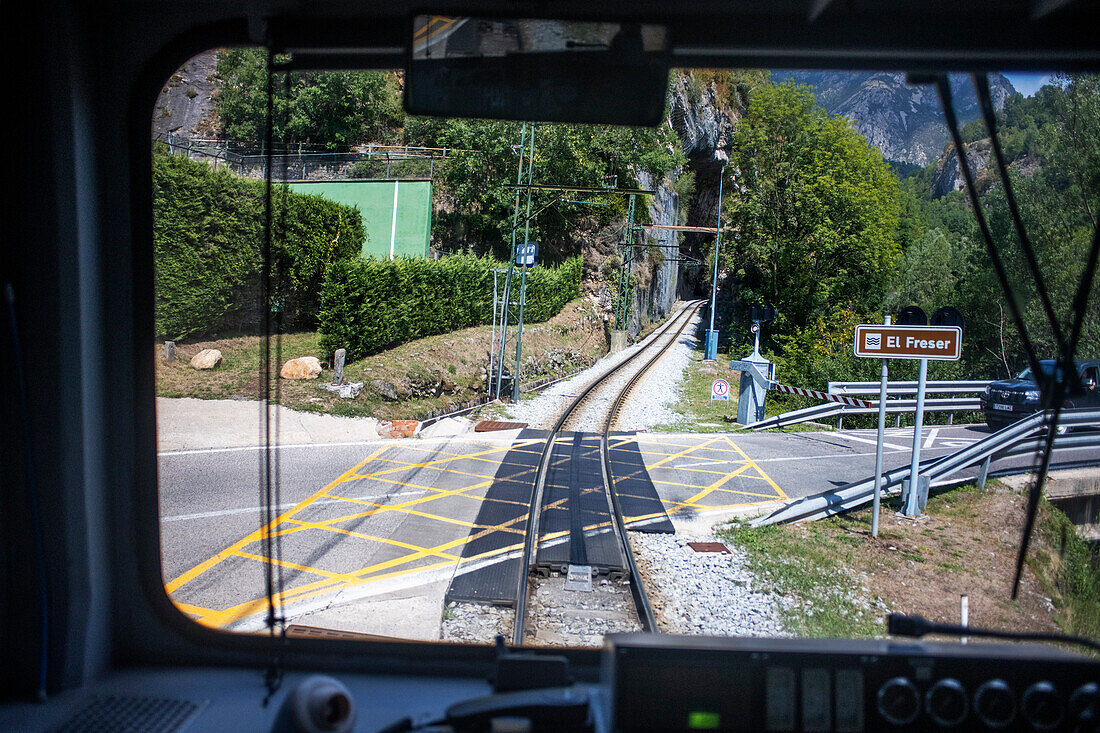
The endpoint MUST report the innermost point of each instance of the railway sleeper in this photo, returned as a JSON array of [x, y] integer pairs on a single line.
[[616, 574]]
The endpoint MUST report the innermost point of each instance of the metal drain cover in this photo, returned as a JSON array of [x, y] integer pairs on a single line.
[[709, 547], [490, 426], [579, 578]]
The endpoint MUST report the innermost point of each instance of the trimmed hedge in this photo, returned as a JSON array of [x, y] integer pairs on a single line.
[[208, 233], [371, 305]]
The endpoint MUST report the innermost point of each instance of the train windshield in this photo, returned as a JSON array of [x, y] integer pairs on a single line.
[[454, 378]]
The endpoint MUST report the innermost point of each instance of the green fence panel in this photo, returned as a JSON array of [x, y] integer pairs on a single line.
[[387, 236]]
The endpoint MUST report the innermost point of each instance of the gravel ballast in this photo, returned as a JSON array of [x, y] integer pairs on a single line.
[[542, 410], [655, 393], [691, 593], [703, 593], [475, 623]]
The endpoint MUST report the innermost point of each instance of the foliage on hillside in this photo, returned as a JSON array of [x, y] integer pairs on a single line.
[[1052, 142], [479, 216], [823, 289], [815, 210], [338, 110], [329, 109], [370, 305], [207, 243]]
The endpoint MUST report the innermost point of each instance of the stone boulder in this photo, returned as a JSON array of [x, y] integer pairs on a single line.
[[206, 359], [347, 390], [387, 390], [304, 367]]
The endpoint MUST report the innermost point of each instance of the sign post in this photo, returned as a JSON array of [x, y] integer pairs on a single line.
[[915, 490], [881, 436], [710, 348], [942, 343]]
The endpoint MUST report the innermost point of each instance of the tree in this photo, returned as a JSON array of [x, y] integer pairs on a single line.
[[815, 207], [332, 110], [476, 183]]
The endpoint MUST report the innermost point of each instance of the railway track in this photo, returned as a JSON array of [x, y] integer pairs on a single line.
[[576, 532]]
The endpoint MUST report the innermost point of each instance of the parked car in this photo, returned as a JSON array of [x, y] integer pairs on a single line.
[[1009, 400]]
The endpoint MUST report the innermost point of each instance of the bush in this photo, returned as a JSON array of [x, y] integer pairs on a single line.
[[370, 305], [208, 234]]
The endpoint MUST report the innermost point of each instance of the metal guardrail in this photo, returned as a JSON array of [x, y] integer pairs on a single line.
[[837, 410], [1019, 438], [940, 387]]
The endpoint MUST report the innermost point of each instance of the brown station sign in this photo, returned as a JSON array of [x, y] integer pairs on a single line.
[[908, 342]]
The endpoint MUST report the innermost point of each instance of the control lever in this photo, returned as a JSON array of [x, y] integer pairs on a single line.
[[528, 671], [555, 709]]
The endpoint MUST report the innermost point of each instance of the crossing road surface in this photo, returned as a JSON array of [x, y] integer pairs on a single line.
[[392, 519]]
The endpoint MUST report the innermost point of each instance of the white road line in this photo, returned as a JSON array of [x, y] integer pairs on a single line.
[[817, 458], [390, 441], [704, 463], [280, 507], [931, 437], [849, 436]]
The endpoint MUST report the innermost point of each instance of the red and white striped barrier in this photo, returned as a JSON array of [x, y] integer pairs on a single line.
[[852, 401]]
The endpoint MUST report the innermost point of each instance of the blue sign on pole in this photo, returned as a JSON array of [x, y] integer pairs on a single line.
[[526, 253]]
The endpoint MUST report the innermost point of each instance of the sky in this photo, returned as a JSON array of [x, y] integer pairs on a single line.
[[1028, 83]]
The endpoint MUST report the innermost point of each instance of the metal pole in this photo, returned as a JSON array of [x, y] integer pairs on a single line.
[[523, 276], [622, 308], [912, 499], [713, 349], [493, 343], [511, 266], [717, 242], [881, 436]]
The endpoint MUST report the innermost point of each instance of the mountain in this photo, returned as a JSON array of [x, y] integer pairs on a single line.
[[905, 122]]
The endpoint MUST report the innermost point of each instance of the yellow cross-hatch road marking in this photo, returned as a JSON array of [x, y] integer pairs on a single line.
[[743, 467], [262, 531], [287, 524], [442, 553]]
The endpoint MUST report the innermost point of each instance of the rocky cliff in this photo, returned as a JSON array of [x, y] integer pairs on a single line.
[[903, 121], [704, 120], [185, 106]]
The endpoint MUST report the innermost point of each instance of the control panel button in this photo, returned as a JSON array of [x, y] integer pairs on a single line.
[[995, 704], [1042, 707], [898, 701], [946, 703]]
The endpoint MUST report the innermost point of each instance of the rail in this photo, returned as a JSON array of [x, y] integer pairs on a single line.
[[641, 602], [894, 407], [1019, 438]]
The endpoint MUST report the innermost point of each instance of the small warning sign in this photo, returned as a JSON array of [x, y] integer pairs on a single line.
[[719, 390]]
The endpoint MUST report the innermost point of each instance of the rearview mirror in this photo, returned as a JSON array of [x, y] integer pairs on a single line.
[[537, 70]]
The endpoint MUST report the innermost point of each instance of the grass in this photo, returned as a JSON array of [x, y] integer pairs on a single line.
[[813, 573], [1069, 568], [835, 579], [698, 414], [415, 369]]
